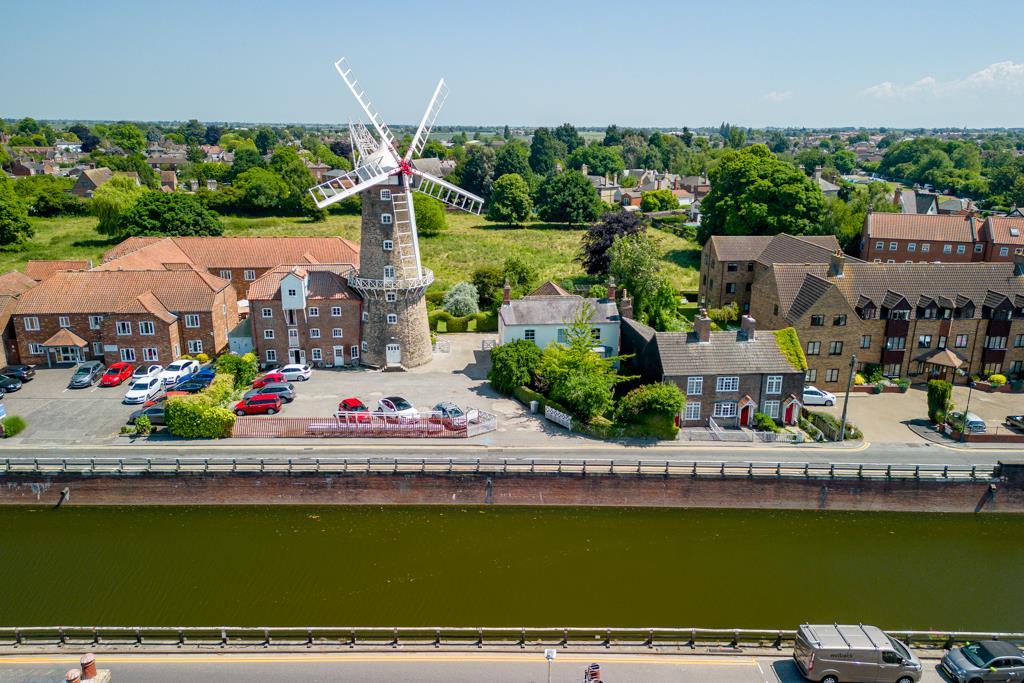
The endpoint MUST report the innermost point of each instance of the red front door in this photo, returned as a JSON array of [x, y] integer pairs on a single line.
[[789, 413], [745, 415]]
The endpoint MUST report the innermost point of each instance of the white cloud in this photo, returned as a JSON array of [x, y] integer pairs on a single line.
[[778, 96], [1005, 76]]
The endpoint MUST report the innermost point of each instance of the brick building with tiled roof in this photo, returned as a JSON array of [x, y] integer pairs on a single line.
[[12, 285], [136, 316], [956, 238], [916, 320], [39, 270]]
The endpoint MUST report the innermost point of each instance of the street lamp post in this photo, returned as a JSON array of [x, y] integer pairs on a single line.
[[967, 408], [846, 399], [549, 654]]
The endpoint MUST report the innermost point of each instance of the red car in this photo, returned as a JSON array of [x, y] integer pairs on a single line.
[[353, 410], [269, 378], [259, 404], [116, 373]]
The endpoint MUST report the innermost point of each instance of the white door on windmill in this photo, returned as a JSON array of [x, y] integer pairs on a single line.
[[393, 354], [339, 355], [297, 356]]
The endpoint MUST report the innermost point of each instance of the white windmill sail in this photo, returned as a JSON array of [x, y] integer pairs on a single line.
[[362, 140]]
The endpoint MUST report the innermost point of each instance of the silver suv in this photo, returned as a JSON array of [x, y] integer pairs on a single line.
[[984, 660]]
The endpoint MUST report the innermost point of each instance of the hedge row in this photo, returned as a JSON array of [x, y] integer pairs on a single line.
[[195, 417], [442, 321]]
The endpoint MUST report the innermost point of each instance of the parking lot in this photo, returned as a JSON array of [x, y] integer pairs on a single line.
[[58, 416]]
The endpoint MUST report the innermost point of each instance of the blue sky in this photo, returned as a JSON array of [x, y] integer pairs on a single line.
[[653, 63]]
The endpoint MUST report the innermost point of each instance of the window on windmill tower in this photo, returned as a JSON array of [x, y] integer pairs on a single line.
[[385, 219], [385, 195], [388, 245], [389, 272], [392, 319], [391, 297]]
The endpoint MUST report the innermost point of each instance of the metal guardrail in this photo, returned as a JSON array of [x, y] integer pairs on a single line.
[[438, 636], [650, 468]]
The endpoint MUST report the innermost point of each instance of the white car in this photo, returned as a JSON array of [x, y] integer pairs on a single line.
[[147, 371], [813, 396], [296, 372], [144, 390], [396, 406], [178, 371]]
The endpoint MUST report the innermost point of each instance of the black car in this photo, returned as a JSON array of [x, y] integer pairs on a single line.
[[23, 372], [1016, 421], [9, 384], [154, 413], [191, 386]]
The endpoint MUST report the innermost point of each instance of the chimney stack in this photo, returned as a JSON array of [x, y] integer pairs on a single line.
[[702, 326], [817, 172], [836, 263], [506, 294], [625, 305], [611, 289], [747, 326], [584, 169]]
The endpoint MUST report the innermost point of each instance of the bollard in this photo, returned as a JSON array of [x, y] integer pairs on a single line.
[[72, 676], [88, 663]]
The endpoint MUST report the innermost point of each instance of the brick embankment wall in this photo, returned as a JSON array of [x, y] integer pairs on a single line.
[[417, 489]]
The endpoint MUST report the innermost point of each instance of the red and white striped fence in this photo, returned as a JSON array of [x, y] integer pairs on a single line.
[[427, 425]]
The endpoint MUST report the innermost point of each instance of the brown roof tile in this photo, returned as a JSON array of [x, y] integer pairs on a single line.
[[549, 288], [754, 247], [40, 270], [15, 282], [65, 337], [326, 282], [229, 252], [905, 226], [1001, 229]]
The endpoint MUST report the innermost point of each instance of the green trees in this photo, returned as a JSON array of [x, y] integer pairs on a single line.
[[754, 193], [461, 300], [168, 213], [246, 157], [261, 190], [510, 200], [568, 198], [477, 173], [658, 200], [940, 394], [600, 160], [569, 136], [601, 235], [946, 164], [14, 225], [654, 407], [47, 195], [634, 262], [193, 132], [113, 199], [243, 368], [430, 216], [490, 280], [545, 150], [513, 157], [513, 365], [265, 139]]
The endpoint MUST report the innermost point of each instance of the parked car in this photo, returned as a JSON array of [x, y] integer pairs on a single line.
[[116, 373], [296, 372], [269, 378], [352, 410], [147, 371], [86, 374], [155, 413], [396, 409], [969, 422], [813, 396], [285, 391], [190, 386], [144, 390], [831, 653], [984, 660], [451, 416], [1015, 421], [258, 405], [23, 372], [9, 383], [178, 371], [205, 374]]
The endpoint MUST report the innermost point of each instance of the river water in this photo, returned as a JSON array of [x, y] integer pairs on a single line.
[[505, 566]]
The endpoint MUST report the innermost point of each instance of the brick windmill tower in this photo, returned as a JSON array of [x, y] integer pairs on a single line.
[[391, 278]]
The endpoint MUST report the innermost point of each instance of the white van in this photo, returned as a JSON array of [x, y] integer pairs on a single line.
[[832, 653], [973, 424]]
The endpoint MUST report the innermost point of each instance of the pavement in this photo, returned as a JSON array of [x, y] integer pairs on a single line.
[[446, 667]]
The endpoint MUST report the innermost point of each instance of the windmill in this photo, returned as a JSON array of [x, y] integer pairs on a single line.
[[391, 277]]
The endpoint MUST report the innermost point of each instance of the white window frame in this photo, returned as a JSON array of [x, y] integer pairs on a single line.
[[389, 272], [811, 375], [249, 275], [366, 316], [314, 333], [31, 323], [912, 246], [880, 245], [725, 409], [832, 374], [692, 411], [226, 274], [694, 386], [127, 355], [365, 346], [385, 195], [267, 313], [392, 319], [195, 346], [123, 328], [270, 355], [390, 297], [293, 333], [337, 333], [145, 325], [354, 352], [925, 247], [386, 219], [150, 354], [316, 354], [978, 248], [1004, 251], [530, 335], [947, 248], [36, 349], [268, 334], [773, 385], [95, 322], [771, 409], [313, 312], [727, 384], [192, 320], [893, 246], [388, 245], [335, 311], [64, 321], [961, 248]]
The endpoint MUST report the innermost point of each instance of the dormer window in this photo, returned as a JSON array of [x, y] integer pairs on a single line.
[[292, 292]]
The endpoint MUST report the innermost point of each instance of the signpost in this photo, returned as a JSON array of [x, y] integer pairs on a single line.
[[549, 654]]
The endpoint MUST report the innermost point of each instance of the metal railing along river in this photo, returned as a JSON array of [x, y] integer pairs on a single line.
[[523, 466], [437, 636]]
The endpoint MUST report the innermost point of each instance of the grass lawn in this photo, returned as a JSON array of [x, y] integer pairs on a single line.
[[469, 242]]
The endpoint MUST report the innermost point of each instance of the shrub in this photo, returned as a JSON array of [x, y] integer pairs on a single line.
[[658, 200], [221, 390], [852, 432], [940, 393], [873, 372], [513, 365], [461, 300], [725, 315], [244, 368], [202, 358], [441, 326], [646, 399], [185, 356], [789, 344], [143, 425], [764, 423], [879, 387], [194, 417], [589, 393], [430, 217], [997, 380], [127, 429], [859, 379], [12, 425], [903, 385]]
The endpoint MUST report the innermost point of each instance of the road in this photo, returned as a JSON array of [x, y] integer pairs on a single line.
[[420, 667], [894, 453]]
